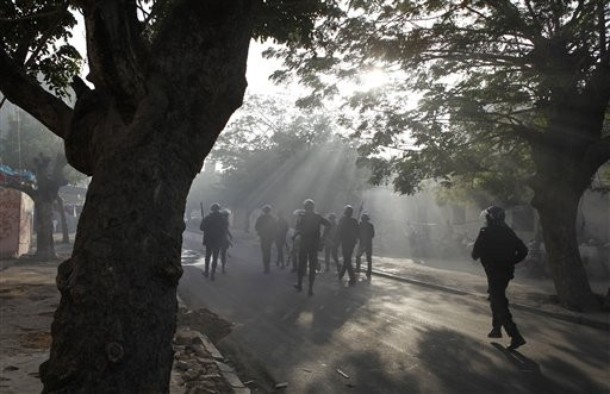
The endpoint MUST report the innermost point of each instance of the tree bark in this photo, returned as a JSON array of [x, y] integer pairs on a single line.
[[566, 162], [45, 244], [64, 223], [114, 326], [558, 210]]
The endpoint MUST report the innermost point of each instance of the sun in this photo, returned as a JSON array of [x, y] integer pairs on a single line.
[[372, 79]]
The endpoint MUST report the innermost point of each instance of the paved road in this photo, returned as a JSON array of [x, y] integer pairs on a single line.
[[389, 337]]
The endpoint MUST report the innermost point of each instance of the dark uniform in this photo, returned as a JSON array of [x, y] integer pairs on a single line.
[[366, 233], [266, 228], [499, 249], [214, 227], [280, 239], [227, 242], [347, 234], [308, 231]]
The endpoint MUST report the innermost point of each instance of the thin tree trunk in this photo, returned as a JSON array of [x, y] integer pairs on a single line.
[[64, 223], [45, 244]]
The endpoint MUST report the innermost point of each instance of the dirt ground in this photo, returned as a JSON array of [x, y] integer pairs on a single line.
[[28, 299]]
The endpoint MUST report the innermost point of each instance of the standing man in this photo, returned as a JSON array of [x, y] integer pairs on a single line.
[[308, 231], [499, 249], [266, 228], [214, 227], [330, 242], [280, 239], [366, 233], [347, 234]]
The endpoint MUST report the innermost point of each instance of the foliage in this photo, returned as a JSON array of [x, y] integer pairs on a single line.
[[269, 153], [35, 35], [487, 75]]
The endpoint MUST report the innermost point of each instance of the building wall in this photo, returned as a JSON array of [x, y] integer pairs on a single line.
[[16, 214]]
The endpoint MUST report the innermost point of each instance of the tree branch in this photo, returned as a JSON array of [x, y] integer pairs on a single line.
[[31, 97], [115, 50], [42, 42]]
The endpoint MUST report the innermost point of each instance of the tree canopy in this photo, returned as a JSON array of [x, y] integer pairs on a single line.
[[487, 74]]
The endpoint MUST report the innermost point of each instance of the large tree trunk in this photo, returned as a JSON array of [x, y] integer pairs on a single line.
[[558, 209], [143, 146], [113, 329], [566, 158]]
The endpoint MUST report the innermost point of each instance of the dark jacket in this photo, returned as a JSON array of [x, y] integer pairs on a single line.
[[347, 231], [499, 248], [214, 227], [266, 227], [282, 229], [308, 228], [366, 233]]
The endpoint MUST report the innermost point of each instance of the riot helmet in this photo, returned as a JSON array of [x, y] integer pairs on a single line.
[[309, 204], [494, 214]]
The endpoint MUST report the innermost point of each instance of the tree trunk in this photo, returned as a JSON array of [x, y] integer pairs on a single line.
[[558, 209], [566, 159], [45, 244], [143, 145], [114, 326], [64, 223]]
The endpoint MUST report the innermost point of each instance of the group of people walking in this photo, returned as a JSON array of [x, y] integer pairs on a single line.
[[497, 246], [307, 241]]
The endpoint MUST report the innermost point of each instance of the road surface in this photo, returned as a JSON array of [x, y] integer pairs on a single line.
[[386, 336]]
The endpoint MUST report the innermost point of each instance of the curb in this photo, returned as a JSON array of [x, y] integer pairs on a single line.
[[576, 319], [226, 371]]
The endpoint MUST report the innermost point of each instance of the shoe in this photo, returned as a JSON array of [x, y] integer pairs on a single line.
[[205, 274], [495, 333], [298, 287], [351, 283], [516, 342]]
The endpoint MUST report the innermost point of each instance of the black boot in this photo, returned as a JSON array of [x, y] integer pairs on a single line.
[[516, 341], [495, 333]]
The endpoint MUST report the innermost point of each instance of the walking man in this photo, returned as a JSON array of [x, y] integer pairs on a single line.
[[214, 227], [265, 227], [308, 231], [366, 233], [347, 234], [499, 249]]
